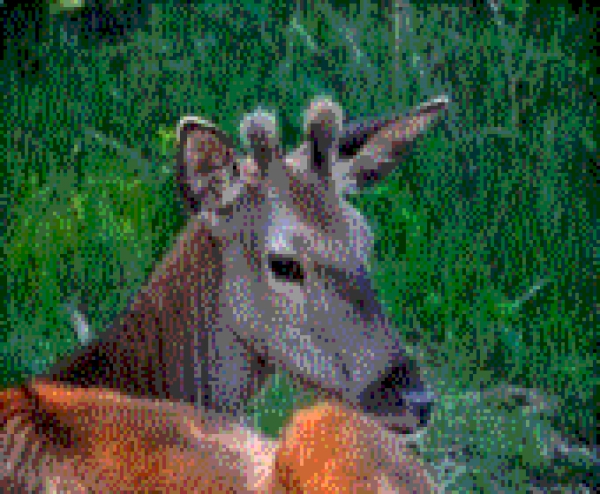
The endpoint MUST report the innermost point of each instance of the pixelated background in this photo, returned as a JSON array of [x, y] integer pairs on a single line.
[[487, 238]]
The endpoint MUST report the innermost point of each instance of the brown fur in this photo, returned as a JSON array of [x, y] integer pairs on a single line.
[[66, 439], [331, 449]]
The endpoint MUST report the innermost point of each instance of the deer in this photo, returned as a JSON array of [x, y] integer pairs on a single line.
[[271, 273], [58, 437]]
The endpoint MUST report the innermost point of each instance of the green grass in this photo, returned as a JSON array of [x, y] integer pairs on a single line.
[[487, 252]]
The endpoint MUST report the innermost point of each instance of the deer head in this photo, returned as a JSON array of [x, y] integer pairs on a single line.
[[296, 286], [271, 271]]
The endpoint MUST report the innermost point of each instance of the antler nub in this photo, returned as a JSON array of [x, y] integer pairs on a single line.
[[322, 125], [323, 113], [258, 131]]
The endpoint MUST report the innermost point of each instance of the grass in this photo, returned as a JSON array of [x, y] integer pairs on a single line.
[[487, 253]]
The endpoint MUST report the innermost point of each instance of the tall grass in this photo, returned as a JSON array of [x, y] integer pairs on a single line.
[[487, 252]]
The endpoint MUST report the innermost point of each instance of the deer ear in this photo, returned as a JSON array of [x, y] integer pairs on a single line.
[[355, 134], [386, 148], [206, 164]]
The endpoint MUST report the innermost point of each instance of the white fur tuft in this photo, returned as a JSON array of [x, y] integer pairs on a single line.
[[324, 112], [189, 119], [260, 123]]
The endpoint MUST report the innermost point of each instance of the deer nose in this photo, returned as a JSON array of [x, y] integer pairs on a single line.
[[400, 399], [420, 405]]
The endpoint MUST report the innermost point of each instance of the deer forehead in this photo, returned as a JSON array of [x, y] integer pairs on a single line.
[[347, 238]]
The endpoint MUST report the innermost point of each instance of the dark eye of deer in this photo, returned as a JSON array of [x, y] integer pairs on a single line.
[[286, 269]]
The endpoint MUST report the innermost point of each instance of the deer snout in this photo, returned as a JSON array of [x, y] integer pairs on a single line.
[[400, 399], [420, 405]]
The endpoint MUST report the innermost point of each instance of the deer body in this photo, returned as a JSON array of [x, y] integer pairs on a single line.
[[59, 438], [271, 271]]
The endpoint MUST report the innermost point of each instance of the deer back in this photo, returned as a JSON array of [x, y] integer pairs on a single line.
[[60, 438]]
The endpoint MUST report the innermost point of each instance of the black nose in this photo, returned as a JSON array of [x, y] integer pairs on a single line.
[[400, 398], [420, 404]]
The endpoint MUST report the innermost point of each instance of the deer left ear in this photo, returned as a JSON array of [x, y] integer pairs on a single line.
[[386, 148], [206, 163]]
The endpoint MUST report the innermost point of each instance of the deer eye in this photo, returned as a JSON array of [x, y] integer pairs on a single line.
[[285, 268]]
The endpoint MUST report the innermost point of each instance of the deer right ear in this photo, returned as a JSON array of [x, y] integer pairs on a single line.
[[206, 163], [385, 148]]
